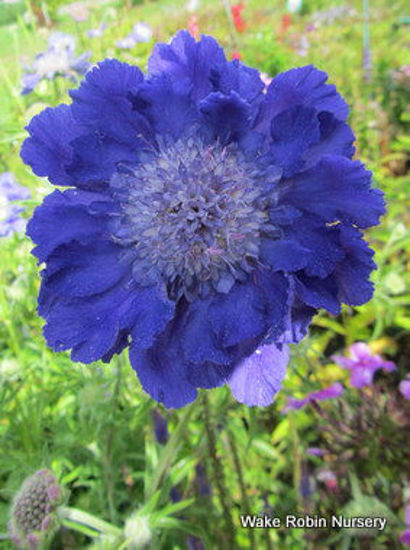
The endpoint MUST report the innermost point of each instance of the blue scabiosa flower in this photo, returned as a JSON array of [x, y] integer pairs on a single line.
[[140, 33], [10, 212], [205, 223], [58, 60]]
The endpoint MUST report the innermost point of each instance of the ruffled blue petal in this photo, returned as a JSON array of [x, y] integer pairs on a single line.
[[92, 327], [102, 103], [284, 254], [65, 217], [234, 76], [188, 62], [167, 105], [292, 132], [258, 378], [321, 247], [352, 273], [336, 138], [162, 370], [336, 189], [318, 293], [97, 157], [303, 86], [48, 148], [75, 270], [226, 116], [301, 317]]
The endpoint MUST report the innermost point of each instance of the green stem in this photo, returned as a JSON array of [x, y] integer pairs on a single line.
[[297, 459], [169, 451], [242, 486], [107, 459], [218, 474], [77, 520]]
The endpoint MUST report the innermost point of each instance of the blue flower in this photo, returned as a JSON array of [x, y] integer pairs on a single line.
[[141, 32], [206, 221], [58, 60], [10, 212]]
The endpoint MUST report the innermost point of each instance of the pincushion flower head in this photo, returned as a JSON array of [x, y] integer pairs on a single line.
[[205, 223], [34, 510]]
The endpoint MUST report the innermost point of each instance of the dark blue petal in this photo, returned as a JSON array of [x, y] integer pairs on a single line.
[[92, 326], [279, 296], [302, 86], [234, 76], [258, 378], [238, 315], [292, 132], [336, 189], [284, 214], [284, 254], [227, 116], [48, 149], [65, 217], [102, 103], [301, 317], [188, 62], [336, 138], [96, 157], [76, 270], [163, 371], [352, 273], [197, 338], [318, 293], [166, 105], [321, 245]]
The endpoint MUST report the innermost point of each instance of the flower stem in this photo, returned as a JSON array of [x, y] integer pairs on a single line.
[[107, 458], [219, 475], [297, 459], [169, 451], [78, 520], [239, 473]]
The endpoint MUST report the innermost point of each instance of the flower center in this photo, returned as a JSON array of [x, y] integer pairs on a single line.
[[193, 216]]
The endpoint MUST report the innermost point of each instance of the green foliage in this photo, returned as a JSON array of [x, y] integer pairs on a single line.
[[92, 424]]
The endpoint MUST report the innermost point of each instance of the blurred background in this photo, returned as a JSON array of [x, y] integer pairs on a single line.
[[336, 441]]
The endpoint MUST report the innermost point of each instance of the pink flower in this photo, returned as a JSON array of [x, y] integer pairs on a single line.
[[362, 364]]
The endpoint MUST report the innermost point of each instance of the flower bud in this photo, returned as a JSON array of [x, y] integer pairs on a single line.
[[33, 513], [137, 531]]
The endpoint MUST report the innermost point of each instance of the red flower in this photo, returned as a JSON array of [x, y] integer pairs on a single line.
[[236, 55], [193, 27], [286, 22], [236, 11]]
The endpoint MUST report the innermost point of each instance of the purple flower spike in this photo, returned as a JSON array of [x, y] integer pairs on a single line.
[[363, 364], [331, 392], [10, 212], [160, 427], [34, 510], [315, 451], [207, 219]]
